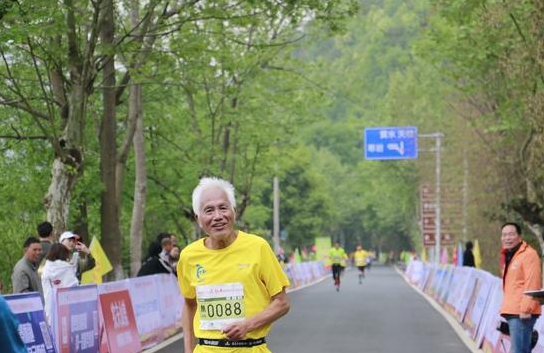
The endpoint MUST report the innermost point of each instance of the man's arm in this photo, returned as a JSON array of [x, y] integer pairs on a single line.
[[86, 260], [188, 314], [533, 281], [279, 306], [20, 281]]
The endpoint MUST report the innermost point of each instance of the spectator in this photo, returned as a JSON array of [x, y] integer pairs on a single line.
[[58, 272], [166, 246], [173, 256], [468, 256], [46, 234], [521, 272], [25, 276], [10, 340], [81, 255], [153, 263]]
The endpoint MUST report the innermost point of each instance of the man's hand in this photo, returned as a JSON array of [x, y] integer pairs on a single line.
[[237, 330], [524, 316], [82, 247]]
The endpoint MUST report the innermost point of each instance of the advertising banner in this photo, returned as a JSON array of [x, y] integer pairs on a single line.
[[75, 319], [458, 281], [478, 302], [488, 337], [119, 322], [33, 329], [171, 303], [145, 303]]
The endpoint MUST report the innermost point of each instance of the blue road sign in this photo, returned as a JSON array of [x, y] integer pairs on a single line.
[[391, 142]]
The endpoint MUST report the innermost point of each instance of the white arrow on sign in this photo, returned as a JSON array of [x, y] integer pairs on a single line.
[[394, 146]]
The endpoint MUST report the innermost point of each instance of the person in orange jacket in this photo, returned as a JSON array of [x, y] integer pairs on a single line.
[[521, 271]]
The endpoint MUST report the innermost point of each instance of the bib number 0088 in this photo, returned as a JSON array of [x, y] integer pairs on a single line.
[[220, 310]]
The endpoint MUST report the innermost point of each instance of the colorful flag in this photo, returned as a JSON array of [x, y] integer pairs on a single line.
[[477, 255], [297, 256], [444, 257], [305, 254], [460, 256], [103, 264]]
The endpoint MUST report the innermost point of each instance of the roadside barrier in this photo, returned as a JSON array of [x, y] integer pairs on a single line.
[[472, 297], [125, 316]]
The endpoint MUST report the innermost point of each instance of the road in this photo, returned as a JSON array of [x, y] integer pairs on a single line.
[[384, 314]]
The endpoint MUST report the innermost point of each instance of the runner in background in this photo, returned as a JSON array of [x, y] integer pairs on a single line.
[[338, 257], [359, 257]]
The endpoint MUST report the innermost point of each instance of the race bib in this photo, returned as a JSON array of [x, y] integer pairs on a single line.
[[220, 305]]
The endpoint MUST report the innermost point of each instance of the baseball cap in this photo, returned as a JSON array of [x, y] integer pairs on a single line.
[[66, 235]]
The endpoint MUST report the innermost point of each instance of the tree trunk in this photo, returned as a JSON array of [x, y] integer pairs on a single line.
[[57, 200], [110, 229], [67, 165], [140, 185]]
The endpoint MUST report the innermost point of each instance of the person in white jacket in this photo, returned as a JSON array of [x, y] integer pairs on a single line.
[[58, 272]]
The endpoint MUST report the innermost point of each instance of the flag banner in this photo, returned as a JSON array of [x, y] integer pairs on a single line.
[[444, 256], [460, 256], [103, 264], [477, 255]]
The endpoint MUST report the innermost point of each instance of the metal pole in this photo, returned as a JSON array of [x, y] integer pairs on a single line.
[[465, 194], [276, 217], [437, 221], [437, 136]]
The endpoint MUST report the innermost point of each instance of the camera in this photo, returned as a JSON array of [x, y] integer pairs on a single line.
[[503, 327]]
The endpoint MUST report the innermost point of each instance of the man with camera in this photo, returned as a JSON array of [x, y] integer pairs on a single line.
[[521, 271]]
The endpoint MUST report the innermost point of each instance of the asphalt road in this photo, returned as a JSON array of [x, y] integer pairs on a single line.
[[381, 315]]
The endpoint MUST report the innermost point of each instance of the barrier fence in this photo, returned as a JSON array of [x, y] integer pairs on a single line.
[[472, 297], [125, 316]]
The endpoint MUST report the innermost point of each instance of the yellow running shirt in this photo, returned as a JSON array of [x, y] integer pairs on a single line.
[[360, 257], [229, 284], [338, 256]]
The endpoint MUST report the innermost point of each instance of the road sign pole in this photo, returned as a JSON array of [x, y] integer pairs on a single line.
[[438, 142], [438, 223]]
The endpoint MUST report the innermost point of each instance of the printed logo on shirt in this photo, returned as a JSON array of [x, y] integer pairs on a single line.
[[200, 271], [243, 266]]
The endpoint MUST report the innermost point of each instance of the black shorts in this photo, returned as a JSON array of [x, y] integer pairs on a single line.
[[361, 268]]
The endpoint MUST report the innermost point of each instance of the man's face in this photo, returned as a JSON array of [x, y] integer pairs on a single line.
[[510, 237], [217, 215], [33, 252]]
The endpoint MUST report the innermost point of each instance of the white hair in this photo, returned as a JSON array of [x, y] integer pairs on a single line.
[[211, 183]]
